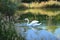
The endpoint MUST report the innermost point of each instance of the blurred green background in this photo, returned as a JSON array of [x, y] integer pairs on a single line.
[[13, 11]]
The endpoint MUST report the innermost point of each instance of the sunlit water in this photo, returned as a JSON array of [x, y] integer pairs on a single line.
[[44, 32]]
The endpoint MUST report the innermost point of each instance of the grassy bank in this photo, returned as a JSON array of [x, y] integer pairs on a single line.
[[49, 4]]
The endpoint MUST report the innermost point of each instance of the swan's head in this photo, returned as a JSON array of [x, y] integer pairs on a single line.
[[26, 19]]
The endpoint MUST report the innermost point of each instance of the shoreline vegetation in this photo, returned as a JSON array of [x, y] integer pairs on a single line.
[[33, 5]]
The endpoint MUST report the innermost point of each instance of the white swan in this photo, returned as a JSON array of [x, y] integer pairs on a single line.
[[34, 23]]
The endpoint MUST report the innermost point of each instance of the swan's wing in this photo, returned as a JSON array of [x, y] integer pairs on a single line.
[[37, 24], [33, 22]]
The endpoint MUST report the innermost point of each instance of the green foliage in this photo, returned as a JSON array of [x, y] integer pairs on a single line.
[[7, 7], [52, 28], [56, 19], [22, 7], [7, 30], [29, 1], [52, 6], [42, 17], [27, 15]]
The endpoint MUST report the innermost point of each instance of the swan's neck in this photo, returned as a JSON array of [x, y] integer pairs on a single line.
[[27, 21]]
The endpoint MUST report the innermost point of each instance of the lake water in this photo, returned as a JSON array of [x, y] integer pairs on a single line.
[[45, 16]]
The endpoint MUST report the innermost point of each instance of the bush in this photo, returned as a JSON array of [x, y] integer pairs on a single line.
[[22, 7], [7, 30]]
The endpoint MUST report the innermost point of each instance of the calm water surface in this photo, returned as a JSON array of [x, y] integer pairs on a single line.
[[49, 12]]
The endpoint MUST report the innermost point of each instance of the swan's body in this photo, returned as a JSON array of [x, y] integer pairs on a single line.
[[34, 23]]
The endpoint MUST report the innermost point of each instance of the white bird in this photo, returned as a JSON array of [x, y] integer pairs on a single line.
[[34, 23]]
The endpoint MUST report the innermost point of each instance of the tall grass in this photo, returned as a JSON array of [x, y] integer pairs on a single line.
[[7, 30]]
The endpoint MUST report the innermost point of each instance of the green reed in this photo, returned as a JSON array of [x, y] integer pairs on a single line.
[[7, 30]]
